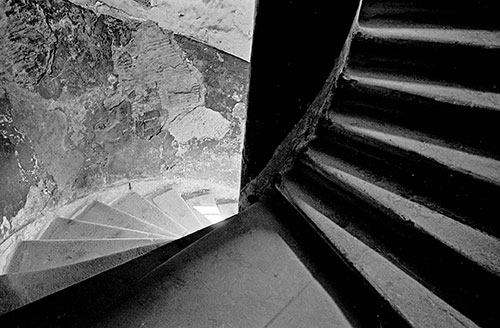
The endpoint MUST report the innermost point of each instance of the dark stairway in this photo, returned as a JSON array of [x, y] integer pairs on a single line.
[[389, 218], [403, 179]]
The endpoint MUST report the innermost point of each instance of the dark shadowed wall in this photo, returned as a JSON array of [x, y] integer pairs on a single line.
[[294, 49]]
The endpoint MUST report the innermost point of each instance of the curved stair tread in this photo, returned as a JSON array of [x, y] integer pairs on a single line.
[[464, 118], [93, 295], [471, 243], [19, 289], [483, 168], [479, 38], [172, 203], [439, 92], [228, 209], [100, 213], [463, 14], [133, 204], [246, 266], [201, 218], [428, 58], [61, 228], [205, 208], [415, 303], [312, 307], [33, 255]]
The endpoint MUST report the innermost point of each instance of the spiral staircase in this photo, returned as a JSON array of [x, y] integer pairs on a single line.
[[388, 217], [100, 237]]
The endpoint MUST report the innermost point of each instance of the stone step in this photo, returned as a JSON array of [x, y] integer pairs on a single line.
[[19, 289], [393, 84], [173, 205], [100, 213], [137, 206], [444, 13], [418, 305], [424, 107], [61, 228], [105, 280], [426, 56], [228, 209], [479, 38], [247, 264], [480, 167], [34, 255], [207, 208], [459, 184], [437, 249], [201, 218], [475, 245]]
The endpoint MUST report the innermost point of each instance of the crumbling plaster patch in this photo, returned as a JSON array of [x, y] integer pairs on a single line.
[[111, 103], [224, 24], [200, 123], [153, 62]]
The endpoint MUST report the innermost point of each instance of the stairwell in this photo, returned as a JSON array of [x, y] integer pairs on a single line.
[[385, 218], [98, 238]]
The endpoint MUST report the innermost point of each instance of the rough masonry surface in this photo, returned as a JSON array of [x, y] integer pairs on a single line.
[[87, 100]]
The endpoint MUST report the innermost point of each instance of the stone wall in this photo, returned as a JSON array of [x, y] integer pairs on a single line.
[[89, 100], [224, 24]]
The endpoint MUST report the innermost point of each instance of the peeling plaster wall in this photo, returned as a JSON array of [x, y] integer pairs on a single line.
[[88, 101], [224, 24]]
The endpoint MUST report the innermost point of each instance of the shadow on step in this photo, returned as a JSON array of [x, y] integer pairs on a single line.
[[265, 267], [95, 295]]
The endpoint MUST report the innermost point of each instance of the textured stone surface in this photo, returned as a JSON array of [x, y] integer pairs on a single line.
[[244, 274], [72, 229], [224, 75], [33, 255], [200, 123], [88, 101], [224, 24], [139, 207], [171, 203], [17, 164]]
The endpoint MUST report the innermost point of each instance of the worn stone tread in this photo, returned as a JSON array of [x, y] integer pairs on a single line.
[[475, 245], [135, 205], [22, 288], [172, 203], [228, 209], [207, 208], [416, 304], [421, 55], [244, 267], [478, 38], [312, 307], [33, 255], [444, 93], [201, 218], [61, 228], [427, 13], [100, 213], [480, 167]]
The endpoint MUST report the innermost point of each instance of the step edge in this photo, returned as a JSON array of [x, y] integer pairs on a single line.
[[96, 202], [101, 225], [488, 260], [388, 82], [464, 163], [446, 310], [177, 224], [462, 37]]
